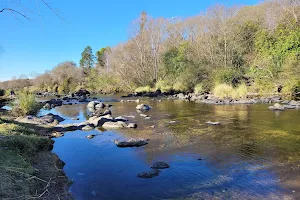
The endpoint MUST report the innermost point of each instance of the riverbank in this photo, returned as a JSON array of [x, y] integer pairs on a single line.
[[28, 167]]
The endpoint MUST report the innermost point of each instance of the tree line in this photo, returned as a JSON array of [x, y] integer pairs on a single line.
[[254, 46]]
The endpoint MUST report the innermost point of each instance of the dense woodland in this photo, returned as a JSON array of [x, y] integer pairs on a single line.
[[249, 49]]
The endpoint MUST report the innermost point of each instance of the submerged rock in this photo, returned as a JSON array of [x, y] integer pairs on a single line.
[[213, 123], [143, 107], [160, 165], [149, 174], [131, 142]]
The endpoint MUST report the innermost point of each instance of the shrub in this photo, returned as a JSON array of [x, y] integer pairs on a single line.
[[227, 91], [181, 86], [198, 89], [240, 92], [143, 89], [26, 104], [163, 86], [223, 91]]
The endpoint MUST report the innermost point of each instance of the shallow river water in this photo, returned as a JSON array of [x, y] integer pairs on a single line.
[[253, 154]]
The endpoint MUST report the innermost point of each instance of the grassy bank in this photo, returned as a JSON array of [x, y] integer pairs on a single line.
[[28, 168]]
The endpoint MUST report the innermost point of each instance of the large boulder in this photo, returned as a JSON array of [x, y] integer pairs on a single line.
[[99, 121], [92, 104], [131, 142], [143, 107]]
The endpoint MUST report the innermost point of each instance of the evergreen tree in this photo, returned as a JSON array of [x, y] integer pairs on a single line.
[[87, 58]]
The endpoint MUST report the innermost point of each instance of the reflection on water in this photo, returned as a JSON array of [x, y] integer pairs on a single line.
[[253, 154]]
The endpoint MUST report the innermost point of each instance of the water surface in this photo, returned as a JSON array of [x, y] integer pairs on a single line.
[[253, 154]]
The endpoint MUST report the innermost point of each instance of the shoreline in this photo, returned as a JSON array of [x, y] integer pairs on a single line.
[[29, 167]]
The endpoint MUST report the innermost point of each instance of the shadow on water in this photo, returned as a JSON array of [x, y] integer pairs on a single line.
[[253, 154]]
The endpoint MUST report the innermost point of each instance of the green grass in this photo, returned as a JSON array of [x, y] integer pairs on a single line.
[[19, 146]]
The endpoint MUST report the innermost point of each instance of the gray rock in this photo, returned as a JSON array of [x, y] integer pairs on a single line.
[[47, 106], [160, 165], [143, 115], [120, 118], [132, 125], [90, 136], [149, 174], [143, 107], [180, 96], [114, 125], [99, 121], [99, 106], [277, 106], [92, 104], [294, 103], [131, 143], [87, 128]]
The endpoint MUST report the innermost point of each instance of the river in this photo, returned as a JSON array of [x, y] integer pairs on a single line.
[[253, 154]]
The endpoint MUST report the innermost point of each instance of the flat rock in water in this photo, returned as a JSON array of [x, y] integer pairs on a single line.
[[213, 123], [149, 174], [132, 125], [114, 125], [143, 107], [120, 118], [160, 165], [131, 143], [90, 136], [99, 121]]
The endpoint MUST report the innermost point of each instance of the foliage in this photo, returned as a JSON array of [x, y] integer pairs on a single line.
[[224, 91], [198, 89], [143, 89], [163, 86], [226, 45], [26, 104], [227, 91], [87, 58]]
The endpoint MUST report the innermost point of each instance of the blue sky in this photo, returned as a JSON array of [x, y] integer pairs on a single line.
[[41, 43]]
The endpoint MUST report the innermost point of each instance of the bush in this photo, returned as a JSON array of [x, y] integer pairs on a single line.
[[163, 86], [143, 89], [240, 92], [181, 86], [227, 76], [223, 91], [26, 104], [198, 89], [227, 91]]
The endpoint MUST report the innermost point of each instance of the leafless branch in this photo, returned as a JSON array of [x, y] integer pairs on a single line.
[[14, 11]]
